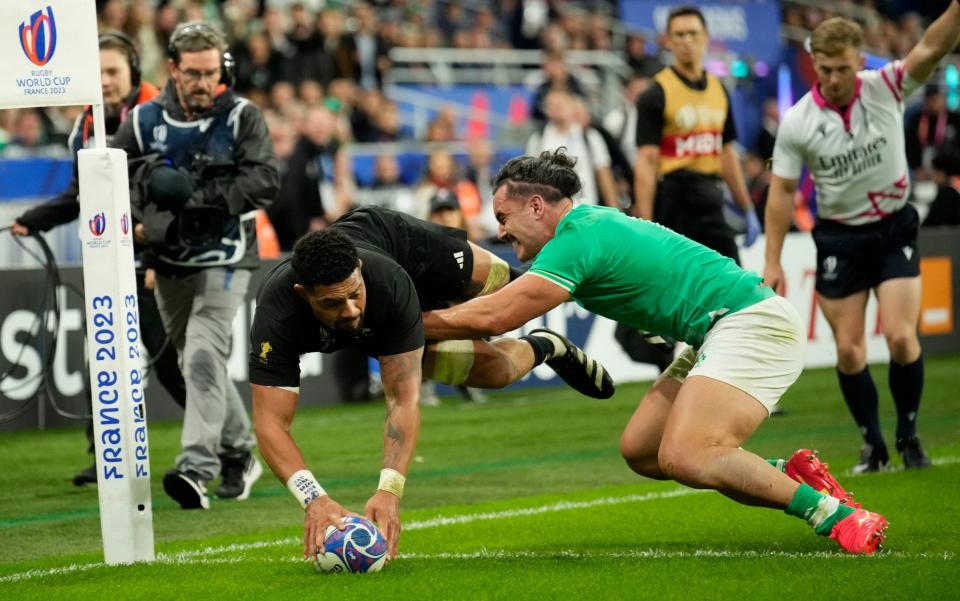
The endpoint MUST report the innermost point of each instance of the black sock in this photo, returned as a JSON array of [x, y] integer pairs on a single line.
[[906, 385], [542, 348], [860, 393]]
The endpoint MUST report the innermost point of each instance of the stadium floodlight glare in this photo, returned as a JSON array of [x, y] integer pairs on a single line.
[[51, 59], [951, 77], [739, 69]]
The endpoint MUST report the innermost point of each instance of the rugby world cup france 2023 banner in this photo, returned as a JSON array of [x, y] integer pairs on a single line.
[[750, 28], [45, 52]]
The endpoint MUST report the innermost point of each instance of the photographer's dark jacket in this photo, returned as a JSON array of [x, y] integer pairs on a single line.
[[231, 133], [66, 207]]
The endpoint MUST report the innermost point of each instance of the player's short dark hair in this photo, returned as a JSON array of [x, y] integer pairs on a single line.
[[324, 257], [686, 11], [551, 175]]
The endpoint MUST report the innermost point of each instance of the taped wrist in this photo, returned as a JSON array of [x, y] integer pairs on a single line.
[[392, 482], [304, 487]]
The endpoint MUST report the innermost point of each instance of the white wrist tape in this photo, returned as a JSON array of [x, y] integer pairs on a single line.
[[305, 487], [392, 481]]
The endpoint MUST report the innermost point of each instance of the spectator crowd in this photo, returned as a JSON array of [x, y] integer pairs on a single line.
[[317, 70]]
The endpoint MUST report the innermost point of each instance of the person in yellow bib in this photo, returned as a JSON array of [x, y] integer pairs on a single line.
[[685, 135]]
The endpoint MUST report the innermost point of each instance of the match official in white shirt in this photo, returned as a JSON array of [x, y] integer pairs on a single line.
[[848, 130]]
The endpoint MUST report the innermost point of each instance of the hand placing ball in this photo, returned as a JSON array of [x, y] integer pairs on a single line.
[[357, 548]]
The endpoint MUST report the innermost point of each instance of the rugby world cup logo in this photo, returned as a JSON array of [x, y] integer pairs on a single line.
[[124, 223], [98, 224], [39, 39]]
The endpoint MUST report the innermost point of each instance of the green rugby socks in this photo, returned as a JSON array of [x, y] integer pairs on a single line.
[[820, 511]]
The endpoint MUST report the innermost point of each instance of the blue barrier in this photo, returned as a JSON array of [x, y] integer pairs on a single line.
[[34, 178], [43, 178]]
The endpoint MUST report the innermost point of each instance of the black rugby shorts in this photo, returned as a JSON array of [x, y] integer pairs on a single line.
[[852, 258]]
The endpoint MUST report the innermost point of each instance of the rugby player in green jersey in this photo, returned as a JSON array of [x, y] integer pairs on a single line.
[[746, 343]]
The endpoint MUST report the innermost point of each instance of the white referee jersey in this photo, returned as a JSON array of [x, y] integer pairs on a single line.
[[856, 156]]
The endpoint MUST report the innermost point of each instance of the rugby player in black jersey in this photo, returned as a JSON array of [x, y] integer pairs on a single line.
[[363, 283]]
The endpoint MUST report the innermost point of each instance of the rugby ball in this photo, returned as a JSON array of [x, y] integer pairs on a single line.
[[357, 548]]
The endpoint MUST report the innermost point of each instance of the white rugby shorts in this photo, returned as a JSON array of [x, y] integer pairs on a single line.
[[759, 349]]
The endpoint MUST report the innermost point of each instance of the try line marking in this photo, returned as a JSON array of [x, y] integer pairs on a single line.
[[494, 554], [207, 555], [203, 555]]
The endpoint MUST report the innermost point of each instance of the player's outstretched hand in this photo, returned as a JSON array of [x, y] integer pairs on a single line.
[[773, 277], [321, 513], [383, 508]]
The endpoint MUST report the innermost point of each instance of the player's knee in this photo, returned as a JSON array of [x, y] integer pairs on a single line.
[[639, 459], [678, 461], [902, 342], [498, 375], [851, 355]]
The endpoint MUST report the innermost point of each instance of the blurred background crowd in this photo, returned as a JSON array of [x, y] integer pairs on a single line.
[[414, 104]]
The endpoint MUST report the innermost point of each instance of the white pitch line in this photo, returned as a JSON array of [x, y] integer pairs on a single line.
[[181, 560], [668, 554], [561, 506], [238, 548], [31, 574], [203, 555]]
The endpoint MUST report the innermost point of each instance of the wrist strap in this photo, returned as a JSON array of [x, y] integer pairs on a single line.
[[305, 487], [392, 482]]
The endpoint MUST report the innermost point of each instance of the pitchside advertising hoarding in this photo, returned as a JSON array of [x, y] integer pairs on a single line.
[[47, 49], [940, 265]]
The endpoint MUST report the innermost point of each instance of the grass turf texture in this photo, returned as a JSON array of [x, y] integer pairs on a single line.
[[536, 503]]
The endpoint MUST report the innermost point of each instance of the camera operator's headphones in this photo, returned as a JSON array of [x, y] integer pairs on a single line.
[[227, 62], [133, 57]]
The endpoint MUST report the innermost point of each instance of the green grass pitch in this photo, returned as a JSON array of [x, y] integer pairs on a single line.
[[523, 497]]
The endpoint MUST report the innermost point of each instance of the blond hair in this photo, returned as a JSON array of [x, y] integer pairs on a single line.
[[834, 35]]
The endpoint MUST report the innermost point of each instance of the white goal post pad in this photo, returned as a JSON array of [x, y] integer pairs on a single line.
[[113, 350]]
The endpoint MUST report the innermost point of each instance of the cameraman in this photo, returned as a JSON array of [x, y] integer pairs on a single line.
[[122, 91], [204, 164]]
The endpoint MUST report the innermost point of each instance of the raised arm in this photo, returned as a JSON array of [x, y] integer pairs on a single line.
[[401, 375], [507, 309], [940, 39], [777, 218], [273, 411]]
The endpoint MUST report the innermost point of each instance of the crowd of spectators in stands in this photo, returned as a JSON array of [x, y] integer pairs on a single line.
[[317, 68]]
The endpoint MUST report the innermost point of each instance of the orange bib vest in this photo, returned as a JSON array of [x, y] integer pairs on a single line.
[[693, 120]]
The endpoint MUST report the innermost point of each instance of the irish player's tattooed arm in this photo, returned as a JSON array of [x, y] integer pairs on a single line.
[[941, 38], [506, 309], [273, 411], [401, 375], [778, 216]]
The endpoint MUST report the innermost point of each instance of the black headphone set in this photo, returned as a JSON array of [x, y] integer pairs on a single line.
[[133, 57], [227, 62]]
